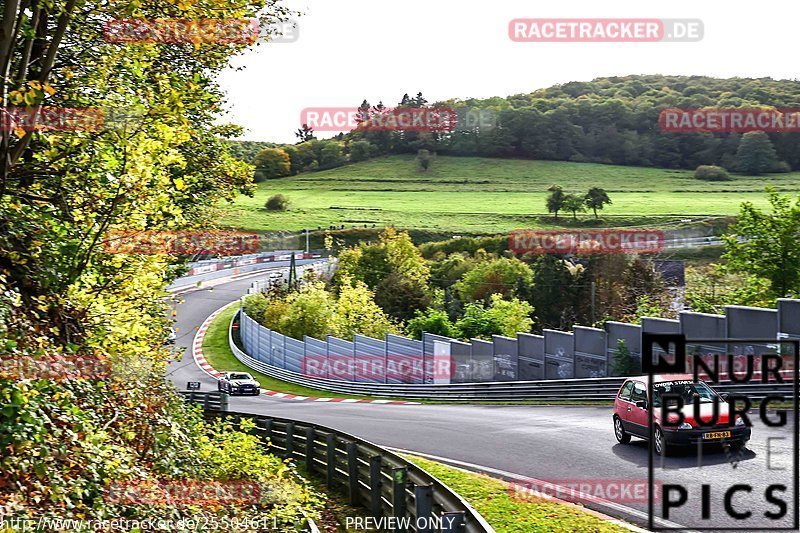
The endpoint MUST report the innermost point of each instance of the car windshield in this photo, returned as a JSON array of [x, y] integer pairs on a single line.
[[240, 376], [686, 389]]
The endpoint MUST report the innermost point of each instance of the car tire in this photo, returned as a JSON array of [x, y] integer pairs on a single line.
[[623, 437], [659, 444]]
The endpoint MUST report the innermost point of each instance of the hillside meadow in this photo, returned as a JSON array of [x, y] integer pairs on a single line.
[[481, 195]]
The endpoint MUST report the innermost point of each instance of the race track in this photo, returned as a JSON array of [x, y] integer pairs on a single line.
[[554, 444]]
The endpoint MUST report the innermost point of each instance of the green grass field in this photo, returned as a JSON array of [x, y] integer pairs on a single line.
[[479, 195]]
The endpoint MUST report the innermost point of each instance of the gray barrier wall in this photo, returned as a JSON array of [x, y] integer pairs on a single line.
[[506, 358], [370, 359], [630, 334], [789, 318], [559, 355], [461, 353], [703, 326], [531, 356], [751, 322], [583, 353], [341, 358], [590, 357], [406, 350], [482, 364], [316, 357]]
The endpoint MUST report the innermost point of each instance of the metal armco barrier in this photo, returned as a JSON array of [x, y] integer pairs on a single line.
[[211, 401], [371, 477], [551, 389]]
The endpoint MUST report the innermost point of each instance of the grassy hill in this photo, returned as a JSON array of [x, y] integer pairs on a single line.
[[480, 195]]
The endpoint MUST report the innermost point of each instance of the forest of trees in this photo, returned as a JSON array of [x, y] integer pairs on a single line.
[[608, 120]]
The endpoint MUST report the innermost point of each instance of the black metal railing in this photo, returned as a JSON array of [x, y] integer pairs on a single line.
[[395, 491]]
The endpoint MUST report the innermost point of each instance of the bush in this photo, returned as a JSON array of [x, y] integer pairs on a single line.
[[624, 364], [711, 173], [277, 202], [432, 321]]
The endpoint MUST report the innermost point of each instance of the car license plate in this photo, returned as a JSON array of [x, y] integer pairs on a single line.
[[716, 435]]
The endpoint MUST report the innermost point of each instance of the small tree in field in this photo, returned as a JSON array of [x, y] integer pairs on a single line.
[[555, 200], [596, 199], [574, 204]]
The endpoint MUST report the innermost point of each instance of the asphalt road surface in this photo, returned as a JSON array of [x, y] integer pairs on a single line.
[[559, 445]]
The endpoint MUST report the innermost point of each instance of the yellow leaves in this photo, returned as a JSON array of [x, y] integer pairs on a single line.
[[179, 184], [16, 97], [49, 89]]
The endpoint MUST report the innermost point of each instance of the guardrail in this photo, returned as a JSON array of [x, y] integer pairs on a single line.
[[585, 389], [370, 476]]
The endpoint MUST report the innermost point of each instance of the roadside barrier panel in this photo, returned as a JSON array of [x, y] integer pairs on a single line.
[[531, 356], [371, 360], [408, 350], [703, 326], [316, 350], [590, 358], [631, 334], [506, 358], [789, 318], [751, 323], [559, 354], [461, 353], [294, 354], [482, 360], [341, 359]]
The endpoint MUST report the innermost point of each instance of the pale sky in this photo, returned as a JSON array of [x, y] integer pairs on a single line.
[[349, 50]]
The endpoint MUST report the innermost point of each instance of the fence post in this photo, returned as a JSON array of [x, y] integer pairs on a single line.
[[311, 434], [268, 432], [399, 494], [330, 440], [289, 439], [375, 484], [224, 401], [453, 522], [352, 472], [423, 503]]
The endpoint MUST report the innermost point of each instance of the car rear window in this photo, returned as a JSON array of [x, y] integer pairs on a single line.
[[625, 391]]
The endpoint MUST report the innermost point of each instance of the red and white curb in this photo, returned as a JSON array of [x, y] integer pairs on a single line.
[[200, 360]]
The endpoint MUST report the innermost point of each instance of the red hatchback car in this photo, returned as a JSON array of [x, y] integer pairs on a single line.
[[633, 405]]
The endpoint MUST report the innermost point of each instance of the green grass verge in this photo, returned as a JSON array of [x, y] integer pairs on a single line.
[[219, 355], [479, 195], [491, 498]]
